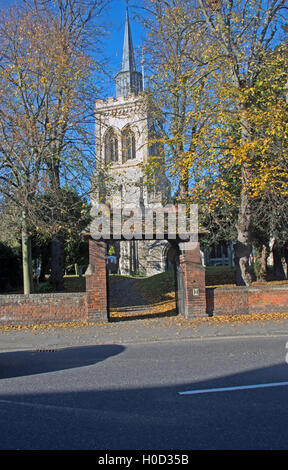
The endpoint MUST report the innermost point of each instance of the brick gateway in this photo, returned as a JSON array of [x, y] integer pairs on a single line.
[[194, 299], [190, 273]]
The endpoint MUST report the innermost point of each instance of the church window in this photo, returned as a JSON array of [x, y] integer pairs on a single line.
[[111, 147], [128, 145]]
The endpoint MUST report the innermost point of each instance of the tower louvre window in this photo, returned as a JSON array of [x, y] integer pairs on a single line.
[[111, 147], [128, 145]]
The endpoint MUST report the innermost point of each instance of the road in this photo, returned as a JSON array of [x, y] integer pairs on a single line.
[[115, 396]]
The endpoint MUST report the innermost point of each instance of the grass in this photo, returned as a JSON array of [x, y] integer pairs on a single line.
[[161, 287], [71, 284], [155, 288], [119, 277], [224, 275], [74, 284], [219, 275]]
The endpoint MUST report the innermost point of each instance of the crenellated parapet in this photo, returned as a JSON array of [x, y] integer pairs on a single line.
[[120, 106]]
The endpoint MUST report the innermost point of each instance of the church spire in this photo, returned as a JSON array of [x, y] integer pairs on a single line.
[[128, 59], [128, 80]]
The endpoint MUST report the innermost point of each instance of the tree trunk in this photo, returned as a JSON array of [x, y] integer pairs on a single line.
[[261, 262], [57, 263], [285, 254], [184, 189], [26, 257], [76, 266], [264, 257], [57, 242], [243, 247]]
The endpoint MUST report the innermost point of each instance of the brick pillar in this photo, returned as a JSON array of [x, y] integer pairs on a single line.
[[96, 282], [194, 281]]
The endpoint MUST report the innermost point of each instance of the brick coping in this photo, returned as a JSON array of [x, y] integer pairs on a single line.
[[249, 288], [44, 296]]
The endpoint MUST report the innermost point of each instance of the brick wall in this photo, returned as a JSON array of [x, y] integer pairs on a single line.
[[92, 305], [42, 308], [63, 307], [246, 300], [57, 308]]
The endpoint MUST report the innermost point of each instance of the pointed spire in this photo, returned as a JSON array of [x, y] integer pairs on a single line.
[[128, 80], [128, 59]]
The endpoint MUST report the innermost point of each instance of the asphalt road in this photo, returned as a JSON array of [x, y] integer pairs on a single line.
[[127, 396]]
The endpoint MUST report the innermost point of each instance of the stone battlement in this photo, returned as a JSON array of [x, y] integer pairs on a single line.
[[130, 99]]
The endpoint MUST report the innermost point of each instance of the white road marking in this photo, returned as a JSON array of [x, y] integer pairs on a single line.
[[231, 389]]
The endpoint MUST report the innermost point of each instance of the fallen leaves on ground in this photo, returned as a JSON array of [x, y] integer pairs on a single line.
[[236, 319], [164, 314]]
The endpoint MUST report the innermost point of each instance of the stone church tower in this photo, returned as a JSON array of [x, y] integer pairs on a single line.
[[123, 130]]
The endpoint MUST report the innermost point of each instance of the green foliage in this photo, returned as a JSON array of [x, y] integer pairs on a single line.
[[66, 214], [76, 252], [111, 250]]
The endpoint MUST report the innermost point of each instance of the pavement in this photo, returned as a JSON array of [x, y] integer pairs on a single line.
[[135, 331]]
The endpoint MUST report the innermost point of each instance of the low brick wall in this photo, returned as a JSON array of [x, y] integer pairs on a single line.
[[60, 308], [42, 308], [246, 300]]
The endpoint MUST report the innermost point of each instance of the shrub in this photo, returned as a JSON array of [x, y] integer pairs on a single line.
[[44, 287]]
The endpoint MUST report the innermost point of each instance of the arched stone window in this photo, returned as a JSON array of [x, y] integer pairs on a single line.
[[111, 146], [128, 145]]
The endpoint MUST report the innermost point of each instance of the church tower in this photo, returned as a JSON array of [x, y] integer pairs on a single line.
[[124, 129]]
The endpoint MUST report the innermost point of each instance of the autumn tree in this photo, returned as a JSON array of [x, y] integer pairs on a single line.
[[46, 106], [175, 92], [244, 33], [207, 60], [71, 111], [221, 187], [269, 194], [23, 141]]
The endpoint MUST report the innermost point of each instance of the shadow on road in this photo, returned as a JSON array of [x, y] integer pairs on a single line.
[[147, 417], [41, 361], [132, 401]]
